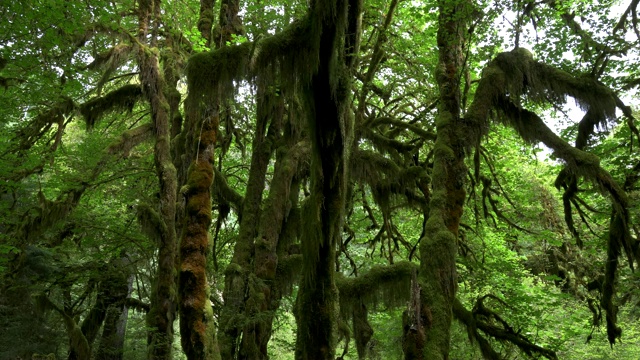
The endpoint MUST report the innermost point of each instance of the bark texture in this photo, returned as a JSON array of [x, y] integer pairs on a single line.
[[232, 315], [163, 297], [438, 249], [196, 315], [197, 328]]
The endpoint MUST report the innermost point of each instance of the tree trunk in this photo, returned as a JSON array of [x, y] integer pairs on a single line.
[[112, 291], [438, 249], [115, 325], [264, 291], [92, 323], [232, 314], [229, 24], [362, 330], [163, 300], [197, 328], [196, 316], [331, 134]]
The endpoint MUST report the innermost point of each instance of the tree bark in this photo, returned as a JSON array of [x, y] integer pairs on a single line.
[[197, 328], [115, 325], [362, 330], [232, 314], [196, 316], [438, 249], [331, 135], [163, 300], [264, 291]]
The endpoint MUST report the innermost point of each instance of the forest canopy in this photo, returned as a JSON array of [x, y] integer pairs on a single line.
[[319, 179]]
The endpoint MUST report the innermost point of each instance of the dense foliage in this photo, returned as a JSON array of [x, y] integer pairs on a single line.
[[323, 179]]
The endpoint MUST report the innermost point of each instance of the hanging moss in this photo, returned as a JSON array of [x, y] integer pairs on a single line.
[[532, 129], [225, 194], [385, 284], [123, 99], [288, 271], [367, 164], [618, 236], [109, 61], [39, 126], [205, 71], [110, 58], [513, 75], [385, 177], [481, 318], [150, 221], [49, 213], [289, 53], [312, 234]]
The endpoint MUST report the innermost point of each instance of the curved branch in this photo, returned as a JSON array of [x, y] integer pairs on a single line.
[[403, 125], [504, 333], [223, 191]]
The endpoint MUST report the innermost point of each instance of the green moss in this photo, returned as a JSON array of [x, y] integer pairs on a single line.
[[233, 268], [386, 284], [200, 176], [205, 22], [291, 52], [150, 222], [443, 151], [130, 139], [206, 71], [111, 58], [78, 342], [523, 53], [123, 98], [288, 270]]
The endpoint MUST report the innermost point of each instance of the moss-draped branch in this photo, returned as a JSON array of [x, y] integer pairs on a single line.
[[514, 75]]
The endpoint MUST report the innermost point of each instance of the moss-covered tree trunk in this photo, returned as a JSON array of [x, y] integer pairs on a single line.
[[362, 330], [111, 345], [112, 291], [229, 24], [163, 297], [93, 321], [78, 343], [330, 129], [196, 316], [197, 328], [112, 341], [264, 287], [232, 315], [438, 248]]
